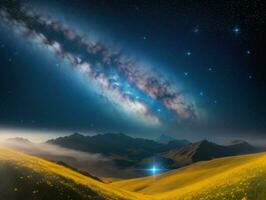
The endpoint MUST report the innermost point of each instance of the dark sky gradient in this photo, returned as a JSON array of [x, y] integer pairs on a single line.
[[225, 73]]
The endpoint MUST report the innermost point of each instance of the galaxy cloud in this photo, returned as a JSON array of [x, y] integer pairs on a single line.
[[126, 83]]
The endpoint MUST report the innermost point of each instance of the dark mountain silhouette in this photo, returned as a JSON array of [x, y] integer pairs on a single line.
[[165, 139], [126, 151], [205, 150], [117, 144], [242, 147]]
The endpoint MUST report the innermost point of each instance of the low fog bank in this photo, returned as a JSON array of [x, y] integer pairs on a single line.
[[95, 164]]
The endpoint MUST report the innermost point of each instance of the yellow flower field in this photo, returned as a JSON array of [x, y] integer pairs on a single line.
[[231, 178]]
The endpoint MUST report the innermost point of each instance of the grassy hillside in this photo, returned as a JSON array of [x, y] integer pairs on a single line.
[[240, 177], [233, 178], [27, 177]]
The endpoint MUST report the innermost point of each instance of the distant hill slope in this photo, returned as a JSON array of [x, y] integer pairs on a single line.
[[18, 140], [24, 177], [206, 150], [232, 178], [78, 170]]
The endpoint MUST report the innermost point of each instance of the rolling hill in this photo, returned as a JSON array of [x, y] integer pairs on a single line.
[[26, 177], [231, 178]]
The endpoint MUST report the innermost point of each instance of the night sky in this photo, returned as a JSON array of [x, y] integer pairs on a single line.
[[192, 69]]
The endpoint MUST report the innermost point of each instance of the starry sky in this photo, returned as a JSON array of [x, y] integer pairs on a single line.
[[192, 69]]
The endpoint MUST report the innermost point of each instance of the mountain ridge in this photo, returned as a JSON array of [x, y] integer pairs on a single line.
[[164, 139], [115, 144], [205, 150]]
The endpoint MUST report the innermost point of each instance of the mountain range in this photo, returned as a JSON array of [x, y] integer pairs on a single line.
[[116, 144], [205, 150], [138, 153]]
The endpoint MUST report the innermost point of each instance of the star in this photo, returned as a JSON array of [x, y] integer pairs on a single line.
[[159, 110], [144, 38], [186, 73], [210, 69], [249, 77], [236, 30], [248, 52], [188, 53], [201, 93]]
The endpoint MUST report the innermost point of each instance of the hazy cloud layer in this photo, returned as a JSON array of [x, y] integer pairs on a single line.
[[96, 164]]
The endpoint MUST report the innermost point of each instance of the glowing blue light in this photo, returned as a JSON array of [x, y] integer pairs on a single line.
[[236, 30], [154, 170]]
